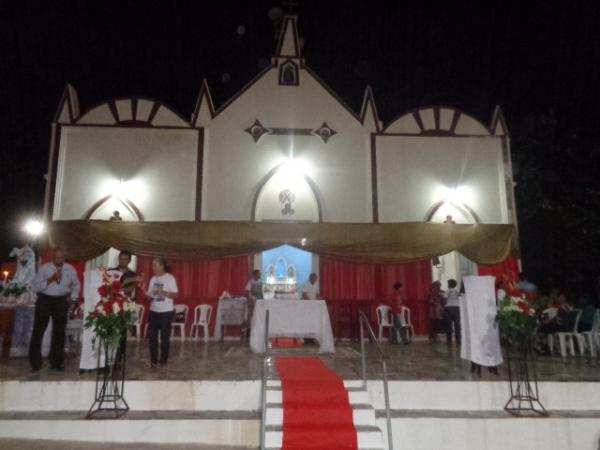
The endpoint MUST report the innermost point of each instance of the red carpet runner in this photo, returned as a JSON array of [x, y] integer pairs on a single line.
[[316, 410]]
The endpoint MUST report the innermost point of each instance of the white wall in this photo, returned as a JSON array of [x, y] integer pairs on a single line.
[[234, 164], [157, 167], [414, 173]]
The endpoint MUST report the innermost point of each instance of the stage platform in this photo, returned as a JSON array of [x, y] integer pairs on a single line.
[[234, 361], [208, 397]]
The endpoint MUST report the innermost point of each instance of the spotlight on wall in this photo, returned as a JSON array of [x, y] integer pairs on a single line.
[[457, 196], [33, 228], [133, 190]]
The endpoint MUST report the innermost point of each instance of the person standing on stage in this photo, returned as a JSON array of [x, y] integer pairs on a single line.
[[254, 287], [452, 312], [400, 330], [310, 290], [162, 291], [122, 268], [117, 274], [55, 284], [436, 311]]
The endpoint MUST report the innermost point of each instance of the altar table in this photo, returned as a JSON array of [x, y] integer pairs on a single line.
[[294, 319]]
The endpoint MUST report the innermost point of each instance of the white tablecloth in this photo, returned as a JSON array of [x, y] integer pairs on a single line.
[[292, 318], [230, 311]]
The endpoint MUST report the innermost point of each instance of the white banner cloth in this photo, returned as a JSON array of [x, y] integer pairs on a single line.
[[292, 318], [230, 311], [89, 354], [480, 333]]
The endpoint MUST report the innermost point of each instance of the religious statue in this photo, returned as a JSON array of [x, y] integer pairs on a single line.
[[25, 265]]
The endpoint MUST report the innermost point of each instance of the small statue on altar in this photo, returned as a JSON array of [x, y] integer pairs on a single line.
[[25, 265], [116, 217]]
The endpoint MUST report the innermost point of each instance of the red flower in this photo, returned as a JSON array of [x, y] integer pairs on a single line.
[[116, 285], [103, 291], [523, 306]]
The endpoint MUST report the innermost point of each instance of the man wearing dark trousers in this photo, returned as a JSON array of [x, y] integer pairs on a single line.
[[55, 284], [452, 312]]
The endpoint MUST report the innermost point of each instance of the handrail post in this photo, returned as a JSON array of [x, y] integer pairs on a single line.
[[263, 384], [386, 396], [362, 352], [364, 321]]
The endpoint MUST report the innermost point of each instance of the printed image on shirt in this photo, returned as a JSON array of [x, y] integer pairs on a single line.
[[158, 287]]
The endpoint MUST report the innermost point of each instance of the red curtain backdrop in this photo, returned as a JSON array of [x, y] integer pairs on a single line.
[[509, 269], [201, 281], [348, 285]]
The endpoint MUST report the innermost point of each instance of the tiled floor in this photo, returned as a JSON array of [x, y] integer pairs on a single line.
[[420, 360]]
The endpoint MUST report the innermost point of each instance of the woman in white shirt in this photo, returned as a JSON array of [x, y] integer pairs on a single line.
[[162, 291]]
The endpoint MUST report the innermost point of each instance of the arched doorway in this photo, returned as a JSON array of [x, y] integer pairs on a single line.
[[452, 265], [286, 194], [104, 209]]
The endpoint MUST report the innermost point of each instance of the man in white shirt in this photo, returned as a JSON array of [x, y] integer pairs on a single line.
[[254, 288], [310, 291], [55, 284]]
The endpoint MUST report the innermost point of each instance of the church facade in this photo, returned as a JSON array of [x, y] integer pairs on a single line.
[[285, 148]]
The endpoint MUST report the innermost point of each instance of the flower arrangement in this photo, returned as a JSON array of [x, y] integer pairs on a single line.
[[517, 316], [113, 313], [14, 288]]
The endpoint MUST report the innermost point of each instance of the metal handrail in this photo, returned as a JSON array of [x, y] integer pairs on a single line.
[[362, 318], [263, 384]]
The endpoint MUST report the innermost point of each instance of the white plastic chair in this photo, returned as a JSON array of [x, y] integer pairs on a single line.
[[384, 319], [139, 309], [180, 325], [405, 322], [591, 339], [567, 338], [202, 316]]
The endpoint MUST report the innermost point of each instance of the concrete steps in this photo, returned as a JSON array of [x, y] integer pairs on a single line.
[[425, 415]]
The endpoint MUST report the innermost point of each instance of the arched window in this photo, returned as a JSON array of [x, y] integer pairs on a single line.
[[288, 74]]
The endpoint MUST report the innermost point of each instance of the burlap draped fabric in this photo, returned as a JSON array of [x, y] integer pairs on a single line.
[[361, 242]]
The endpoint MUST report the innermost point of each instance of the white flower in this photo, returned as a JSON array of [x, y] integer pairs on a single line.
[[100, 309], [116, 308]]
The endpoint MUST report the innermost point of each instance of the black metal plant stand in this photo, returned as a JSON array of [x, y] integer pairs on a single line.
[[110, 383], [522, 378]]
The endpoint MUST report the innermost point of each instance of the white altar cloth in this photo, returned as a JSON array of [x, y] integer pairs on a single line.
[[292, 318], [89, 352]]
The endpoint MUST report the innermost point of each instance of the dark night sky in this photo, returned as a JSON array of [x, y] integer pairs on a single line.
[[539, 60]]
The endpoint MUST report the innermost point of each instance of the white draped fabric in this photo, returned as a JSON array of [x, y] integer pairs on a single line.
[[292, 318], [89, 352], [480, 334]]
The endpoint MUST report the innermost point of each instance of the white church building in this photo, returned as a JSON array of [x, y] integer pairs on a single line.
[[286, 147]]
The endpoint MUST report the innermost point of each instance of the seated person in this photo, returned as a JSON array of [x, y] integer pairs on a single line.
[[588, 312], [310, 290], [561, 320]]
